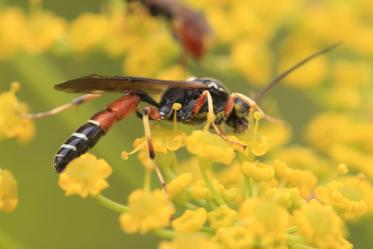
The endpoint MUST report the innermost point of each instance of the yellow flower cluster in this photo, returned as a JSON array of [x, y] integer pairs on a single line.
[[265, 204], [13, 123], [267, 196], [8, 191]]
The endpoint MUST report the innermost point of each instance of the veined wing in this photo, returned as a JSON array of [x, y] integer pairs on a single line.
[[98, 83]]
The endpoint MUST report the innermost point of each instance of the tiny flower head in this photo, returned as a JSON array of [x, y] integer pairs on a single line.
[[235, 237], [258, 171], [304, 180], [178, 185], [207, 145], [265, 219], [344, 197], [12, 124], [191, 221], [85, 175], [222, 217], [147, 211], [320, 226], [8, 191]]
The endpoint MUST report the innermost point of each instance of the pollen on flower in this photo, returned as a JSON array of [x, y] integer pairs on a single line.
[[190, 221], [147, 211], [8, 191], [13, 124], [85, 175]]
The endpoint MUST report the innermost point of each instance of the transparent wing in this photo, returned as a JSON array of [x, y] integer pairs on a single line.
[[98, 83]]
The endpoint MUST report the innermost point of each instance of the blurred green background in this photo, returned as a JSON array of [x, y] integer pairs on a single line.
[[45, 218]]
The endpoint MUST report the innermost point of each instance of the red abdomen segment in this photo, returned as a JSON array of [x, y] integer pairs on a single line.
[[86, 136], [117, 110]]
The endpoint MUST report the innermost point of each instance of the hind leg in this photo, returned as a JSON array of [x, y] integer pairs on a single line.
[[75, 102]]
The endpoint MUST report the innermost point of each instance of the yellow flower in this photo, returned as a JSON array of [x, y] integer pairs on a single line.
[[222, 217], [344, 198], [258, 171], [309, 75], [235, 237], [302, 179], [43, 30], [358, 188], [199, 190], [305, 158], [12, 124], [191, 221], [85, 176], [149, 58], [207, 145], [179, 184], [87, 31], [176, 72], [289, 198], [147, 211], [320, 226], [190, 241], [8, 191], [253, 60], [12, 31], [266, 220]]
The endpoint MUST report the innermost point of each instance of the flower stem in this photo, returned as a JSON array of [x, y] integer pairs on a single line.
[[246, 187], [164, 233], [254, 188], [203, 165], [110, 204]]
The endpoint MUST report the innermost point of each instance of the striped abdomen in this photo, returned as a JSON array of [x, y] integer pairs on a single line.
[[88, 134]]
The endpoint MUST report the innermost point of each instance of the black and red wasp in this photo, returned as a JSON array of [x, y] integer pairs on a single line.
[[197, 96]]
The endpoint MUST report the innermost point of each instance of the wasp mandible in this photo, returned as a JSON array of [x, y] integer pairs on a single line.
[[198, 98]]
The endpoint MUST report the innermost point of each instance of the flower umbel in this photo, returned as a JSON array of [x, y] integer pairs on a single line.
[[147, 211], [85, 176], [13, 123]]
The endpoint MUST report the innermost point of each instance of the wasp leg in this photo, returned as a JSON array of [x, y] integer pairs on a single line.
[[75, 102], [211, 117], [252, 104], [148, 113]]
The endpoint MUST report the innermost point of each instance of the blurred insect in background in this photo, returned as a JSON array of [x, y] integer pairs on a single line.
[[189, 26], [198, 99]]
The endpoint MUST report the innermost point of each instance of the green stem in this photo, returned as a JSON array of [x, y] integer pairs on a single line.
[[254, 188], [292, 229], [164, 233], [110, 204], [246, 187], [203, 165]]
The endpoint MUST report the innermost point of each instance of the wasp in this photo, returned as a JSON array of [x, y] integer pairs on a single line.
[[199, 98]]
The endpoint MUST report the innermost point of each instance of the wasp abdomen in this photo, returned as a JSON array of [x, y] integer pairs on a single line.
[[79, 143]]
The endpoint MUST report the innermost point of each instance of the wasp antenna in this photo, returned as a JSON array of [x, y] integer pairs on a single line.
[[281, 76]]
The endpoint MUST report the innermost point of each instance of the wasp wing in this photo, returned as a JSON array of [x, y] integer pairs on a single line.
[[98, 83]]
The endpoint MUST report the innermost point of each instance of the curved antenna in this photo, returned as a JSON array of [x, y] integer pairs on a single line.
[[281, 76]]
